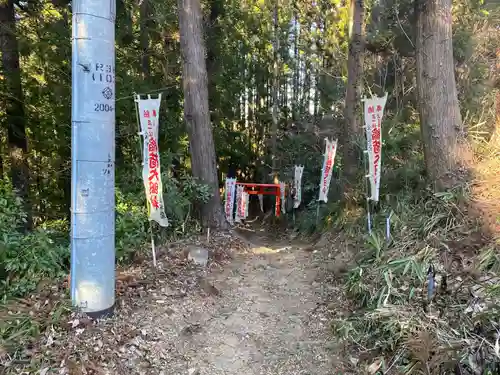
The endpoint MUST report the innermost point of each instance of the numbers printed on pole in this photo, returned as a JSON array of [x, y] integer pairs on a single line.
[[104, 73], [101, 107]]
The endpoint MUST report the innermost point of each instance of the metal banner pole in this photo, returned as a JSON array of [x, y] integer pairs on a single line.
[[366, 177], [93, 157]]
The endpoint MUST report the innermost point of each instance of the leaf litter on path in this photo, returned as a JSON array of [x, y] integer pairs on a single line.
[[244, 313]]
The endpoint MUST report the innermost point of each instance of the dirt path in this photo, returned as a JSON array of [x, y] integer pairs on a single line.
[[263, 320], [256, 309]]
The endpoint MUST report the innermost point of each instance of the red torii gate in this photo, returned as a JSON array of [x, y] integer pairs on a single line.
[[265, 189]]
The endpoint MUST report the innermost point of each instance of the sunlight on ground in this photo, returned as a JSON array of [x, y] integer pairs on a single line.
[[263, 250], [486, 189]]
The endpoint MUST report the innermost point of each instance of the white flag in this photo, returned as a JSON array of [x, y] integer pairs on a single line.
[[374, 111], [229, 199], [246, 200], [240, 204], [297, 185], [151, 172], [326, 173], [282, 197]]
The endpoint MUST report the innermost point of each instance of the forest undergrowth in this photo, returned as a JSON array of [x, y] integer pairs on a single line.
[[424, 301], [394, 317], [34, 266]]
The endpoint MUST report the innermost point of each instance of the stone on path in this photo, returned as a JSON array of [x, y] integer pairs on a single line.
[[198, 255]]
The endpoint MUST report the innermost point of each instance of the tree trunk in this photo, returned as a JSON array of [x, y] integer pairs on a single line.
[[306, 92], [144, 37], [14, 107], [274, 129], [295, 91], [377, 26], [317, 75], [1, 158], [213, 51], [352, 130], [445, 151], [196, 112]]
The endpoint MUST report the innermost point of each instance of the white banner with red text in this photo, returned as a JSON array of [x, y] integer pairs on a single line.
[[297, 185], [241, 204], [151, 173], [229, 199], [373, 113], [326, 173], [247, 203]]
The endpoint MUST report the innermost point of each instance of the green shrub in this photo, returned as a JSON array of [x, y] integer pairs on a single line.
[[26, 259], [180, 196], [131, 227]]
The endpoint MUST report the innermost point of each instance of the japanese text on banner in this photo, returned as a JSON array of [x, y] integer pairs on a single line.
[[242, 207], [240, 204], [326, 174], [247, 202], [229, 201], [151, 171], [374, 111]]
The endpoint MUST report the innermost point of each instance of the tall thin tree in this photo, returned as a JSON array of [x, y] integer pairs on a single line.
[[144, 13], [445, 149], [351, 131], [275, 88], [196, 112], [214, 31], [14, 103]]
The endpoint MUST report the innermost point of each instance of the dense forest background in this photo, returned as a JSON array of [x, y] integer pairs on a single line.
[[281, 77]]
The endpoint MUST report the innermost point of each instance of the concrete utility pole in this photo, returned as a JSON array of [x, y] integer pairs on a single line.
[[93, 157]]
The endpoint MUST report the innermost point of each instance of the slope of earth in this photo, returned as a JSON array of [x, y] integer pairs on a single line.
[[259, 313]]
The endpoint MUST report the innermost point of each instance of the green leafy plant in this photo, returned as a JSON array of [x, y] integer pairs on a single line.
[[26, 259], [131, 226]]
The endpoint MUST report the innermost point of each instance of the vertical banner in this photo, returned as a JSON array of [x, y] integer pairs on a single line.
[[246, 201], [297, 185], [261, 202], [151, 172], [326, 173], [240, 209], [373, 113], [229, 199], [282, 196]]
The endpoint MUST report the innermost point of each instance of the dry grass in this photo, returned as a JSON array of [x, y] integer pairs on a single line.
[[417, 328], [486, 190], [405, 320]]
